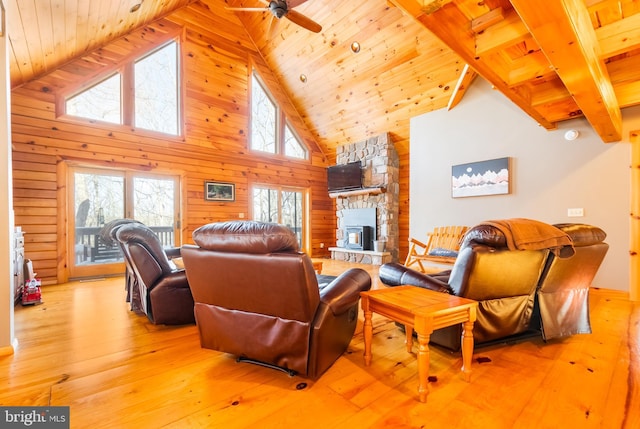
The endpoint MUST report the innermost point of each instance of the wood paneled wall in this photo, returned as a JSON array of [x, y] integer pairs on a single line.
[[216, 63], [217, 57]]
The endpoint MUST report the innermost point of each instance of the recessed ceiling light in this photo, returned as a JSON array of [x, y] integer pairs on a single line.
[[135, 7], [571, 135], [355, 47]]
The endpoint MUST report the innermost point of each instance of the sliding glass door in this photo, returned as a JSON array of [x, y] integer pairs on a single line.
[[281, 205], [100, 196]]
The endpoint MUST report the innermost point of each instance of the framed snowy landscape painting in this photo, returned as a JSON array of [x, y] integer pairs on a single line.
[[491, 177]]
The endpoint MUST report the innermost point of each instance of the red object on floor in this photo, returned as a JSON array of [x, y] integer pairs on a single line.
[[31, 293]]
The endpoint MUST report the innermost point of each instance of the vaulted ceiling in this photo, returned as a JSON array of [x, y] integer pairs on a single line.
[[555, 59]]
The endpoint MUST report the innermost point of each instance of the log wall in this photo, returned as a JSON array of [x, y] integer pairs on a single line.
[[216, 61]]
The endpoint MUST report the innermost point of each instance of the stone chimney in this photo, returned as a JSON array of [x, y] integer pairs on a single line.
[[380, 164]]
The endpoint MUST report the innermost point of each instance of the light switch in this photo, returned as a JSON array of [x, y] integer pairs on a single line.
[[575, 212]]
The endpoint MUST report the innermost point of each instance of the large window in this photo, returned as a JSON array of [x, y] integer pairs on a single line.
[[154, 103], [270, 130]]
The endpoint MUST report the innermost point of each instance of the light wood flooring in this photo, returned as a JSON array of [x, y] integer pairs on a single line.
[[84, 348]]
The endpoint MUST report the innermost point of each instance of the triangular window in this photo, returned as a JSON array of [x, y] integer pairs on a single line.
[[100, 102], [292, 145], [270, 131]]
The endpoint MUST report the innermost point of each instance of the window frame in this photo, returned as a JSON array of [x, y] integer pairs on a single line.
[[127, 92], [282, 121]]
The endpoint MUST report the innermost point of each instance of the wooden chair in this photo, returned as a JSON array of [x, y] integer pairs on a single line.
[[441, 243]]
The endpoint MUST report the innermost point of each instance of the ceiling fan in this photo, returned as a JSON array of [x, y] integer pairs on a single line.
[[283, 8]]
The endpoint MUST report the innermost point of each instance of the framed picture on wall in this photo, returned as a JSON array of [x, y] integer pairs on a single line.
[[491, 177], [216, 191]]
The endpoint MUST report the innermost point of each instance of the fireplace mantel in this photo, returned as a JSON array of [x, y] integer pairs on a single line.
[[364, 191]]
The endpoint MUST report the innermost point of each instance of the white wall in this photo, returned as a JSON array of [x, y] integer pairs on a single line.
[[549, 174], [6, 207]]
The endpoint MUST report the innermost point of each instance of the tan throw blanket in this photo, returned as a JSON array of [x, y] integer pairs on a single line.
[[527, 234]]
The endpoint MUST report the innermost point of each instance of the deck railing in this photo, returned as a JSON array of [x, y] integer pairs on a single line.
[[90, 248]]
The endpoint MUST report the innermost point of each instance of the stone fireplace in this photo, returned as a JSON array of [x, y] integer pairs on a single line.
[[375, 205]]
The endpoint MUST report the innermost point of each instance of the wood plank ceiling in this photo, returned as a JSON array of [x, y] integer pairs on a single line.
[[555, 59]]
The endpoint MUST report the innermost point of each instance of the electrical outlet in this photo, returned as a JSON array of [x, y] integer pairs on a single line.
[[241, 215], [322, 245], [575, 212]]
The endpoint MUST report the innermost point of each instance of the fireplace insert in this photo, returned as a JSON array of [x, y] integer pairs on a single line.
[[359, 237]]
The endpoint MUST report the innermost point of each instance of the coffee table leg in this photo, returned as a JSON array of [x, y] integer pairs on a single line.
[[408, 330], [467, 349], [423, 366], [368, 330]]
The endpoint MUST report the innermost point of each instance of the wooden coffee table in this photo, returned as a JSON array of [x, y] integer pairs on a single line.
[[424, 311]]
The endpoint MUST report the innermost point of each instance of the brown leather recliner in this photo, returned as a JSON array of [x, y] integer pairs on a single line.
[[164, 291], [257, 297], [563, 292], [108, 235], [508, 283]]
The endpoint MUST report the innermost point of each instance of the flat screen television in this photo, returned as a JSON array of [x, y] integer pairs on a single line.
[[344, 177]]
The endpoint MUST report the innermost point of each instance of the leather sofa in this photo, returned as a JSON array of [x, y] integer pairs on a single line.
[[257, 297], [535, 291], [164, 291]]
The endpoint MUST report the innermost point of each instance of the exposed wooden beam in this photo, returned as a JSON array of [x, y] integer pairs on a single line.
[[431, 6], [506, 32], [451, 26], [466, 78], [625, 77], [563, 30], [485, 21], [549, 92], [529, 68], [619, 37]]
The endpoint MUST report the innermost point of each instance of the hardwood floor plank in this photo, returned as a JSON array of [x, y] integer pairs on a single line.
[[84, 348]]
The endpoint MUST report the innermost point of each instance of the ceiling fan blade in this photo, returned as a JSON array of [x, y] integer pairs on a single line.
[[248, 9], [293, 3], [303, 21]]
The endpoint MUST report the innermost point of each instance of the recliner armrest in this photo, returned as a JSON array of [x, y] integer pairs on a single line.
[[176, 279], [342, 293], [172, 252], [394, 274]]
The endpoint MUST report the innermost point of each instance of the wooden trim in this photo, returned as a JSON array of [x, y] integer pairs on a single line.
[[63, 225], [634, 224], [7, 351], [467, 76]]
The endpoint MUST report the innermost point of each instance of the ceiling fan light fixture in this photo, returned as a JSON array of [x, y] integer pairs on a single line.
[[355, 47], [278, 8]]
